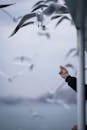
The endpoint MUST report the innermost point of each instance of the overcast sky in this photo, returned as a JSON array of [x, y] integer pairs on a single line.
[[46, 54]]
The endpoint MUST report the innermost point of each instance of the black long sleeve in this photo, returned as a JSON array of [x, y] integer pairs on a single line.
[[72, 83]]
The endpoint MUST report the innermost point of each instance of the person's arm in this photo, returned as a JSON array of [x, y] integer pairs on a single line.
[[69, 79], [71, 82]]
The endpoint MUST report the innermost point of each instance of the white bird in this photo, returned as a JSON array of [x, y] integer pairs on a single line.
[[54, 8], [39, 11], [10, 78], [61, 19], [21, 59]]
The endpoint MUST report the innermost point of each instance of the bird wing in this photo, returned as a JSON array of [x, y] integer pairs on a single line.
[[25, 18], [38, 3], [50, 1], [73, 50], [28, 23], [39, 7], [3, 6], [61, 19], [56, 16]]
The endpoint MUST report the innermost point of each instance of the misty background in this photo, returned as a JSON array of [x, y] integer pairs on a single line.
[[32, 93], [37, 78]]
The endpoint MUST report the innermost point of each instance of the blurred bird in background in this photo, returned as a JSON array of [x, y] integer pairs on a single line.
[[10, 78]]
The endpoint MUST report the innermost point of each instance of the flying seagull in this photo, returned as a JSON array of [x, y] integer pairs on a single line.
[[21, 60], [38, 3], [3, 6], [39, 13], [10, 78], [26, 17], [61, 19], [54, 8]]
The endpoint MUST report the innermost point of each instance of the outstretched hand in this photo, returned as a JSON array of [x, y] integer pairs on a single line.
[[63, 72]]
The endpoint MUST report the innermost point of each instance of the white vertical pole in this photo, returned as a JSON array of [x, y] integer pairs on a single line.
[[80, 83]]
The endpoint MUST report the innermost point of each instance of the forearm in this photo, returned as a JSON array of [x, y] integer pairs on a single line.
[[72, 82]]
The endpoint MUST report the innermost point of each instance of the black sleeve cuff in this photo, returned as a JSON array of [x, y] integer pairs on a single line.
[[71, 82]]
